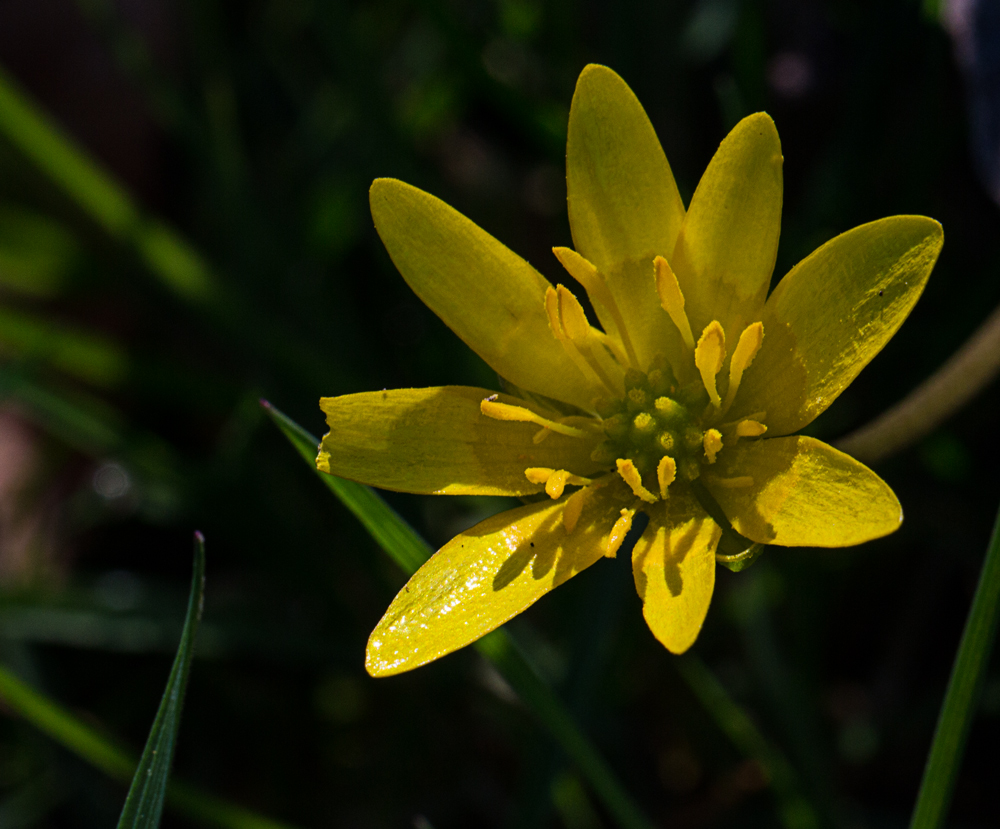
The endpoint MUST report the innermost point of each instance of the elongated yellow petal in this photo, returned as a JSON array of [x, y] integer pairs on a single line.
[[832, 314], [484, 577], [804, 493], [674, 568], [624, 207], [489, 296], [437, 440], [726, 248]]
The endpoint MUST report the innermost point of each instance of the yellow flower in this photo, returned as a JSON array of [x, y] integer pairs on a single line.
[[683, 402]]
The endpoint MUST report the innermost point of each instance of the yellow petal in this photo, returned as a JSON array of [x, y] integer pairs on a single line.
[[624, 208], [832, 314], [804, 494], [488, 295], [726, 248], [484, 577], [436, 440], [674, 568]]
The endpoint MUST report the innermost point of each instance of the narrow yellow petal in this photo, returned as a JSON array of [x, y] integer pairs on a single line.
[[552, 312], [618, 532], [727, 246], [437, 441], [624, 207], [486, 294], [674, 568], [672, 300], [712, 443], [485, 576], [708, 357], [666, 474], [833, 313], [804, 493], [632, 477], [746, 349]]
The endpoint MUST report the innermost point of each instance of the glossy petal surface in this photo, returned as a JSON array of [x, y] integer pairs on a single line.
[[833, 313], [488, 295], [674, 568], [437, 441], [727, 246], [624, 208], [485, 576], [804, 494]]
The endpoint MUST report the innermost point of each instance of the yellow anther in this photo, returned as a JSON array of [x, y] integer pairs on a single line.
[[713, 444], [672, 299], [732, 483], [750, 429], [555, 480], [666, 474], [708, 357], [746, 349], [538, 474], [632, 477], [573, 508], [505, 411], [571, 314], [619, 531], [588, 276], [556, 483]]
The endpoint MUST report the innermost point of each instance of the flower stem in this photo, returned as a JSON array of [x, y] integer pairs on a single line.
[[962, 696], [942, 394]]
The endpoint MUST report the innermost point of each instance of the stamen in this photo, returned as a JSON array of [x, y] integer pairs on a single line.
[[619, 531], [569, 323], [713, 444], [666, 474], [708, 358], [632, 477], [595, 286], [505, 411], [672, 299], [555, 480], [746, 349], [750, 429], [540, 435]]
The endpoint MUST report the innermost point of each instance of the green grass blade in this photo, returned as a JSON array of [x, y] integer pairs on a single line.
[[409, 551], [176, 264], [144, 803], [962, 695], [96, 748], [384, 524]]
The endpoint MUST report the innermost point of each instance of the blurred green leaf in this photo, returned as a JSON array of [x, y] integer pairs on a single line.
[[96, 192], [144, 803], [36, 253], [89, 357]]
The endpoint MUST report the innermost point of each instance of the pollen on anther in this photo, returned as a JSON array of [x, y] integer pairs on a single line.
[[713, 444], [666, 474], [619, 531]]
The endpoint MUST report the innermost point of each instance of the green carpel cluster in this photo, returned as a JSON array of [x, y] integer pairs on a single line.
[[655, 419]]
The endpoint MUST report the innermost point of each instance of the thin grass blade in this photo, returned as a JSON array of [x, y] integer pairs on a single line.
[[960, 700], [144, 803]]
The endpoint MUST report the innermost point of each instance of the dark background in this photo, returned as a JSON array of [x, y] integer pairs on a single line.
[[255, 129]]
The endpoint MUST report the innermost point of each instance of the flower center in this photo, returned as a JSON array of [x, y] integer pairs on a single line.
[[655, 434]]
